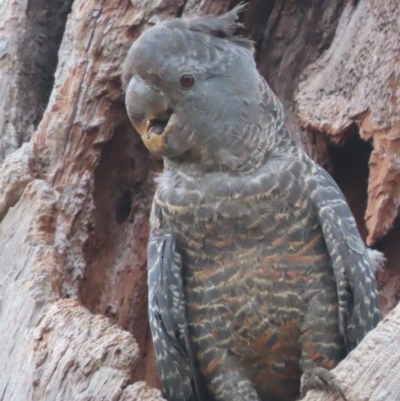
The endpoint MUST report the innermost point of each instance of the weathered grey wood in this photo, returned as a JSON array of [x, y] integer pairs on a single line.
[[372, 371], [30, 34], [52, 348]]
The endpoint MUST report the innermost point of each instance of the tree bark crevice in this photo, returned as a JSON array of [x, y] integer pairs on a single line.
[[356, 81], [30, 34]]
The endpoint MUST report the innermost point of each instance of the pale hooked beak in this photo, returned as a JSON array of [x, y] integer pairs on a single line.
[[150, 113]]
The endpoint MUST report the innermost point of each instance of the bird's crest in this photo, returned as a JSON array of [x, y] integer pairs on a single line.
[[222, 26]]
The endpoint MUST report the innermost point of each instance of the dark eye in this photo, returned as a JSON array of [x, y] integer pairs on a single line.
[[187, 81]]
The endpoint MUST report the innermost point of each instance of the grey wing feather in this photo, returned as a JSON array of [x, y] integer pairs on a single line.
[[167, 317], [356, 286]]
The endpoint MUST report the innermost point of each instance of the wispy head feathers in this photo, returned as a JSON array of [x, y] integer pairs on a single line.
[[220, 26]]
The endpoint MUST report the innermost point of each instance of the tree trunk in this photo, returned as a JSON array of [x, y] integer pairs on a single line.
[[372, 371], [76, 183]]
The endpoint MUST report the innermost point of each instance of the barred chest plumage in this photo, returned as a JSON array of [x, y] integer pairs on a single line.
[[234, 213], [252, 260]]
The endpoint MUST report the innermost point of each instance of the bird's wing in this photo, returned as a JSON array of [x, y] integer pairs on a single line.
[[167, 317], [356, 287]]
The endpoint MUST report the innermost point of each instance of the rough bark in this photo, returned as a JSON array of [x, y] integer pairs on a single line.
[[357, 82], [30, 34], [75, 197], [352, 90], [372, 371], [53, 349]]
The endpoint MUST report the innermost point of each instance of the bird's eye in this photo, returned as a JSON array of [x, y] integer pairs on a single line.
[[187, 81]]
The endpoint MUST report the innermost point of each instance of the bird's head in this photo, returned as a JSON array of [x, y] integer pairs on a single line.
[[192, 88]]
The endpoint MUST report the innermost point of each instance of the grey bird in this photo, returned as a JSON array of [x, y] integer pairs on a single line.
[[259, 281]]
